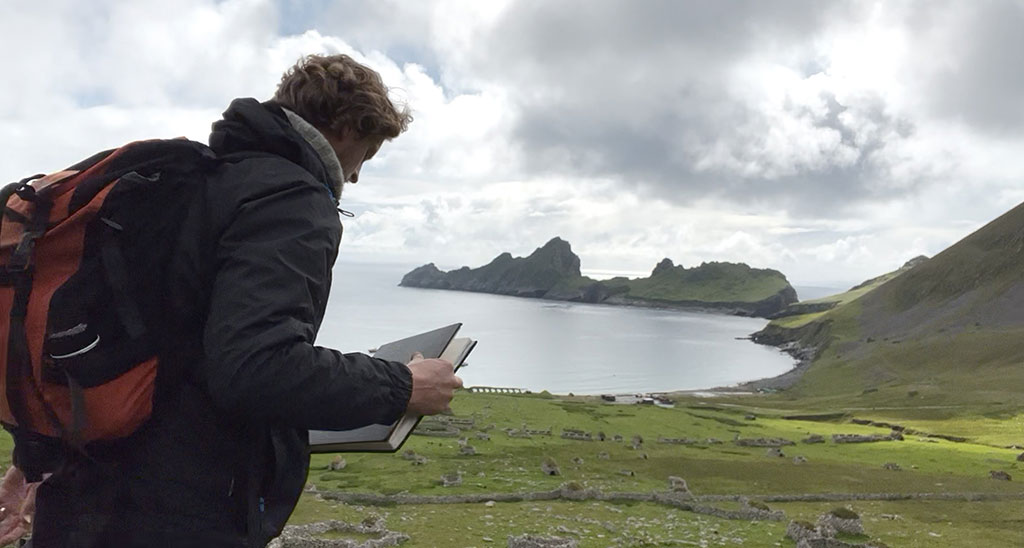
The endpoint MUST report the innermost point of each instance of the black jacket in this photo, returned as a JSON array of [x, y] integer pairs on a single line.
[[224, 458]]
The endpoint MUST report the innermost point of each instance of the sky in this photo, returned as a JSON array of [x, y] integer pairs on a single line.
[[832, 141]]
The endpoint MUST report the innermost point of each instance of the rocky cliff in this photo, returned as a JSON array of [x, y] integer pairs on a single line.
[[553, 272]]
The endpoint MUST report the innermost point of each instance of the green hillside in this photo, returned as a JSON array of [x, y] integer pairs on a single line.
[[949, 331]]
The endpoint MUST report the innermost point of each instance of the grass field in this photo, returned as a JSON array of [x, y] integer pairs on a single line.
[[716, 474], [507, 464]]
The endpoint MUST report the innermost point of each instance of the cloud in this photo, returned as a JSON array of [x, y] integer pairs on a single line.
[[829, 140]]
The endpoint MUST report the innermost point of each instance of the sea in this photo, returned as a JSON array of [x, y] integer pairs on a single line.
[[560, 347]]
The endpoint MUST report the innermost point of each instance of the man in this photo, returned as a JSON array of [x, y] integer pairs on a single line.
[[224, 457]]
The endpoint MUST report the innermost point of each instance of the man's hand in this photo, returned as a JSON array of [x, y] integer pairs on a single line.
[[433, 385], [17, 505]]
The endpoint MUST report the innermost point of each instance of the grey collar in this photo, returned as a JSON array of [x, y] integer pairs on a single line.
[[316, 139]]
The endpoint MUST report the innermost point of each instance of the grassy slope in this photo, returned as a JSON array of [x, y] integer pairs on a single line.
[[839, 299], [947, 332], [512, 465], [711, 282]]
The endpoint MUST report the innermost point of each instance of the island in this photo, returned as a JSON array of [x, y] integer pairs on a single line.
[[553, 272]]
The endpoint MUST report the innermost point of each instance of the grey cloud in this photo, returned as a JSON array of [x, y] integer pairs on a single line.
[[982, 80], [639, 93]]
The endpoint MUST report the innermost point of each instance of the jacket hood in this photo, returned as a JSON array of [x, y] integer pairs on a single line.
[[250, 126]]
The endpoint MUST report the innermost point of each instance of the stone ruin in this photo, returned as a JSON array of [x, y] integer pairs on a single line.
[[577, 436], [310, 535], [550, 467], [798, 531], [814, 438], [999, 475], [535, 431], [516, 433], [860, 438], [759, 510], [453, 479], [762, 442], [678, 441], [677, 484], [841, 520], [531, 541]]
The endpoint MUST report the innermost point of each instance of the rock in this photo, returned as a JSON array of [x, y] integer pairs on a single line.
[[799, 459], [409, 454], [338, 463], [637, 441], [489, 504], [577, 461], [483, 436], [892, 466], [531, 541], [750, 417], [774, 452], [550, 467], [467, 450], [1020, 457], [999, 475], [814, 438], [603, 456], [629, 473], [420, 460]]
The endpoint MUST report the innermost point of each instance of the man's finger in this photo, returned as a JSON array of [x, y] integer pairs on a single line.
[[458, 381]]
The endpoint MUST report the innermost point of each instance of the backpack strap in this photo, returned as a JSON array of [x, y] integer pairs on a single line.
[[18, 273]]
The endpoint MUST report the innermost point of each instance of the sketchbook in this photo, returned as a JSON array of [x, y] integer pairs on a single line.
[[439, 343]]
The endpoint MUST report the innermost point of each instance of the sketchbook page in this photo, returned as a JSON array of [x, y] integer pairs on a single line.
[[373, 432], [431, 344]]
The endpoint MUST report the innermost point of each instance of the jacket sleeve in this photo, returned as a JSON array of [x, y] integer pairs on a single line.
[[273, 263]]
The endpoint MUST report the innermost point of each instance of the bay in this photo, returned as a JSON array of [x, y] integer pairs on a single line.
[[547, 345]]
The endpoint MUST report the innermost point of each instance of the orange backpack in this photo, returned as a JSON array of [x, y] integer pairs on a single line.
[[82, 252]]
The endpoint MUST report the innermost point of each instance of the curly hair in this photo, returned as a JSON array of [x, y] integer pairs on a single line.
[[335, 93]]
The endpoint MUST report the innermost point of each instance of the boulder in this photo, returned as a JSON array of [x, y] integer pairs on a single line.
[[338, 463]]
